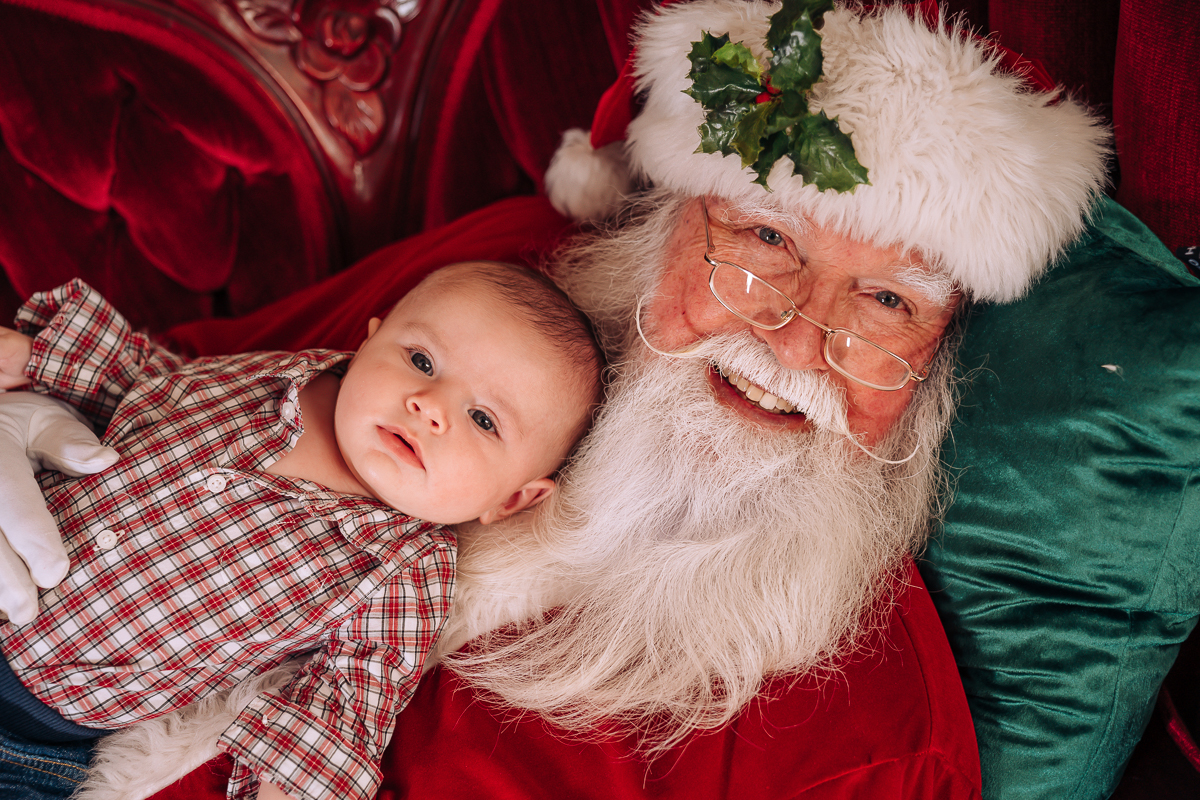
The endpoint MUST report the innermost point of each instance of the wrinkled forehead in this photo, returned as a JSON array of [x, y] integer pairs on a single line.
[[909, 269]]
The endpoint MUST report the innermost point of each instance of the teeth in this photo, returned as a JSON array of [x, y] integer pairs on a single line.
[[756, 394]]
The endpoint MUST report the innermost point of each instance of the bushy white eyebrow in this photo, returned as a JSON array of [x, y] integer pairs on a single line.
[[936, 287], [743, 211]]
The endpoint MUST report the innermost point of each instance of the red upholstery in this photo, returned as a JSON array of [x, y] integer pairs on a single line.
[[177, 204], [189, 168], [1156, 100], [335, 313]]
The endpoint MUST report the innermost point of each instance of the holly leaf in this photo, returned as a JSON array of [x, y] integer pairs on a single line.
[[729, 83], [722, 86], [702, 51], [719, 128], [793, 38], [789, 15], [736, 55], [714, 82], [821, 154], [774, 147], [790, 108], [751, 130]]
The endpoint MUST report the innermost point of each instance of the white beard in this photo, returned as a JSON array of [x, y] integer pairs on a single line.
[[688, 553]]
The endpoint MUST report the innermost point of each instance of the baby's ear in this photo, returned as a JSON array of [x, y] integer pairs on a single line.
[[527, 496]]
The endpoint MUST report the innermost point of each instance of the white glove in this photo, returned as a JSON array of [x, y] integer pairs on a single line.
[[37, 432]]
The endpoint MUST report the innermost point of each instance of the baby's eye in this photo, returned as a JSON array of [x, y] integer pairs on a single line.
[[889, 299], [421, 362], [483, 420], [770, 236]]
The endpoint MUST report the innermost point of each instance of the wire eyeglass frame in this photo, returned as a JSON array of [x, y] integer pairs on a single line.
[[792, 312]]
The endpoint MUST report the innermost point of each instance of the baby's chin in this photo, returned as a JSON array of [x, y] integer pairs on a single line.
[[436, 516], [441, 514]]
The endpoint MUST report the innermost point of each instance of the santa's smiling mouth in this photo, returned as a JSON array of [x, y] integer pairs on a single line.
[[753, 393]]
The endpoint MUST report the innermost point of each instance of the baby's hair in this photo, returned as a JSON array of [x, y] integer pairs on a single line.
[[539, 301]]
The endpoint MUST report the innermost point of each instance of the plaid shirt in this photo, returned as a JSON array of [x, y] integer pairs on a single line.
[[193, 569]]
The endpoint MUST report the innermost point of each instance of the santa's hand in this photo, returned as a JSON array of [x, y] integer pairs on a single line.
[[37, 432]]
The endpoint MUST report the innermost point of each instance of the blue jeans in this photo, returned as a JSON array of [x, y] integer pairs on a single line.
[[35, 771]]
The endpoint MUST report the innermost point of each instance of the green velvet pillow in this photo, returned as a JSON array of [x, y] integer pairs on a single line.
[[1068, 570]]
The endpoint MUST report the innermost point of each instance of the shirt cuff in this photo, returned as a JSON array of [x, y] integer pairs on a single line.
[[83, 350], [298, 752]]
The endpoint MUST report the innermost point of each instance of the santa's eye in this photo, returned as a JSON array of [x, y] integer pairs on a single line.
[[770, 236], [421, 362], [483, 420], [889, 299]]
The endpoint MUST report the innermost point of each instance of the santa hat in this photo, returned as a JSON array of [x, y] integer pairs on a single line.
[[983, 170]]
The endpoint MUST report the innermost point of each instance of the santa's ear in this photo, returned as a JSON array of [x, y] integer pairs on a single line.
[[527, 496]]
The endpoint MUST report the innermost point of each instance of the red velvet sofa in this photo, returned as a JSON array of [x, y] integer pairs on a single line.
[[195, 159]]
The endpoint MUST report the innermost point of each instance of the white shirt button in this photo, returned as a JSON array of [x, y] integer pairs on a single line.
[[269, 713], [106, 539], [288, 410], [216, 483]]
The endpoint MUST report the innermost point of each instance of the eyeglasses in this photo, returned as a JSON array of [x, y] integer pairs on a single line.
[[762, 305]]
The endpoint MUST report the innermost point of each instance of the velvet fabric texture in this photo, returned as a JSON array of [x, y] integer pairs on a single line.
[[142, 151], [869, 731], [1068, 572], [1135, 62], [175, 204], [334, 313]]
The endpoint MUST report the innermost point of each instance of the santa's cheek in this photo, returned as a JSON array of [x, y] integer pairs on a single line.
[[872, 413]]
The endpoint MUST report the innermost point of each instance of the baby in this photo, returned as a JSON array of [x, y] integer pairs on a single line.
[[271, 504]]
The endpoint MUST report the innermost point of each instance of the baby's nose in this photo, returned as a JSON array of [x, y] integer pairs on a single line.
[[425, 406]]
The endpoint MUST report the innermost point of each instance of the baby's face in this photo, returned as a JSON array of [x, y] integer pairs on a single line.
[[453, 405]]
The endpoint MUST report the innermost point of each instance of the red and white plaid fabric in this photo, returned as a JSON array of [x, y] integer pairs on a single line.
[[192, 569]]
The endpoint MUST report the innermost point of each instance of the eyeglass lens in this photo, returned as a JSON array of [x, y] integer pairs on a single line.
[[865, 360], [761, 304], [751, 297]]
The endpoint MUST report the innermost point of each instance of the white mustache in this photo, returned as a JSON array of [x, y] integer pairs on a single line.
[[808, 390], [823, 404]]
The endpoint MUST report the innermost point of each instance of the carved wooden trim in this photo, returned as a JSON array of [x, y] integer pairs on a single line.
[[354, 73], [345, 47]]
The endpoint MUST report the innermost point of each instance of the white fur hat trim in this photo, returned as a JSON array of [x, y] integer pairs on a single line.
[[985, 179]]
